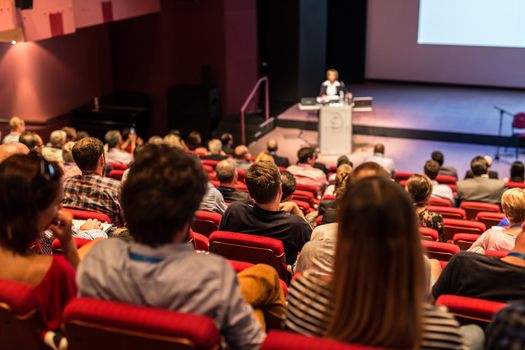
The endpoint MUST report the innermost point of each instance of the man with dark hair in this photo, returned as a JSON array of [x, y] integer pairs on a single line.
[[288, 184], [227, 175], [159, 269], [114, 154], [32, 140], [492, 174], [379, 158], [304, 171], [443, 170], [272, 146], [431, 170], [480, 188], [268, 217], [227, 143], [91, 190]]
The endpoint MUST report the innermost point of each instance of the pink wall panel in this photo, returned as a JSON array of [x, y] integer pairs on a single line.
[[7, 15], [37, 24], [123, 9], [87, 12]]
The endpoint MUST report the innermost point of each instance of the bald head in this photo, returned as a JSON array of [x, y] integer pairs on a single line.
[[242, 153], [226, 172], [272, 145], [8, 150]]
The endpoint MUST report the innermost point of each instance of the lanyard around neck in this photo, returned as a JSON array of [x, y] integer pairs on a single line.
[[517, 255], [144, 258]]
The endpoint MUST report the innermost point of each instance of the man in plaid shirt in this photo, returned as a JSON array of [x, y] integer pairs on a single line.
[[91, 191]]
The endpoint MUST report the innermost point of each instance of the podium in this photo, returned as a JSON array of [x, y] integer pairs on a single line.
[[335, 129]]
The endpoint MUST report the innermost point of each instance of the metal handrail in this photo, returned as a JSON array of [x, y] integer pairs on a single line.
[[249, 99]]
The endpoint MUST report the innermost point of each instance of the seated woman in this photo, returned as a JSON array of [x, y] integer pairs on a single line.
[[517, 172], [376, 295], [30, 202], [420, 189], [501, 238]]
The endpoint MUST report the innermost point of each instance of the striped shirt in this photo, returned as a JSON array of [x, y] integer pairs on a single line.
[[311, 302]]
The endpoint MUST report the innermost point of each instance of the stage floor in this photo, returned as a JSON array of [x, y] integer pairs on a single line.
[[439, 113]]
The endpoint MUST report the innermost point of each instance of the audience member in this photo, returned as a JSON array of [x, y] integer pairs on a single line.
[[53, 151], [480, 188], [304, 171], [517, 172], [500, 238], [420, 188], [486, 277], [69, 165], [288, 184], [268, 217], [227, 143], [380, 158], [242, 157], [17, 127], [71, 133], [371, 301], [431, 170], [194, 143], [444, 169], [215, 148], [114, 154], [272, 146], [213, 201], [32, 140], [507, 329], [131, 140], [157, 269], [81, 134], [264, 157], [492, 174], [173, 141], [340, 161], [30, 202], [227, 175], [10, 149], [155, 140], [328, 207], [342, 171], [91, 191]]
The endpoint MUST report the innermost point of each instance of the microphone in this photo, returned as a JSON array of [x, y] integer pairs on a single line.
[[503, 110]]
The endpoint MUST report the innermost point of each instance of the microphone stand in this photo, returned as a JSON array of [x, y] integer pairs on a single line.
[[502, 112]]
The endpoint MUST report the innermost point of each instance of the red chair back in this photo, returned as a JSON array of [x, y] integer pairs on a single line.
[[200, 242], [305, 196], [464, 240], [210, 162], [328, 197], [446, 180], [453, 226], [440, 251], [241, 173], [470, 310], [439, 202], [119, 166], [21, 323], [497, 253], [116, 174], [207, 168], [86, 214], [79, 242], [250, 248], [473, 208], [448, 212], [518, 122], [308, 188], [94, 323], [402, 176], [515, 184], [206, 222], [489, 219], [304, 206], [279, 340], [428, 234]]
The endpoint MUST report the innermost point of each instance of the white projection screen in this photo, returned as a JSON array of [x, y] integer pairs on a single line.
[[475, 42]]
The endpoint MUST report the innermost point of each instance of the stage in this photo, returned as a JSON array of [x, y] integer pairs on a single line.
[[425, 112]]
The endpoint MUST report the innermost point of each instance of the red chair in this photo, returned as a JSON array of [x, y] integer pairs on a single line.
[[518, 123], [279, 340], [489, 219], [200, 242], [79, 242], [470, 310], [440, 251], [473, 208], [119, 166], [206, 222], [314, 190], [305, 196], [304, 206], [448, 212], [251, 248], [207, 168], [464, 240], [446, 180], [402, 176], [439, 202], [93, 323], [241, 186], [21, 324], [515, 184], [86, 214], [116, 174], [209, 162], [429, 234], [328, 197], [497, 253], [241, 173], [453, 226]]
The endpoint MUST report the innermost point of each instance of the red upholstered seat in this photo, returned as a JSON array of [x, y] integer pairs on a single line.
[[206, 222], [446, 180], [453, 226], [464, 240], [497, 253], [207, 168], [402, 176], [304, 206], [489, 219], [448, 212], [200, 242], [210, 162], [440, 251], [328, 197], [278, 340], [21, 324], [473, 208], [79, 242], [515, 184], [241, 173], [305, 196], [241, 186], [251, 248], [116, 174], [428, 234], [99, 324], [470, 310], [119, 166], [85, 214], [440, 202], [308, 188]]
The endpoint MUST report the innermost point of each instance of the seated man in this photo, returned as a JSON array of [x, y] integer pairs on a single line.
[[492, 174], [91, 191], [227, 143], [32, 140], [17, 127], [268, 217], [242, 157], [53, 151], [304, 171], [480, 188], [379, 158], [213, 200], [114, 154], [158, 269], [288, 185], [431, 170], [444, 169], [485, 277], [227, 175], [215, 148], [271, 147]]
